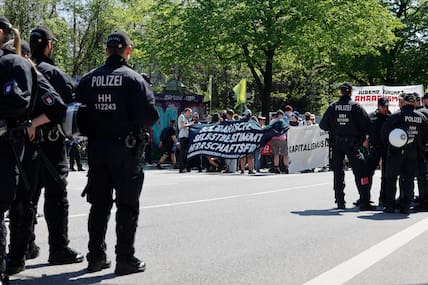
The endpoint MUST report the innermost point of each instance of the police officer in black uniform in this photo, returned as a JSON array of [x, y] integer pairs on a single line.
[[348, 124], [422, 202], [377, 150], [53, 153], [120, 103], [48, 107], [401, 161], [16, 88]]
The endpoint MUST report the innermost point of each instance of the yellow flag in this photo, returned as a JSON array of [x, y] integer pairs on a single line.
[[241, 92], [209, 92]]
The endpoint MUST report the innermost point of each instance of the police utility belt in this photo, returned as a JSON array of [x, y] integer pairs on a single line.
[[136, 143], [134, 140], [346, 140]]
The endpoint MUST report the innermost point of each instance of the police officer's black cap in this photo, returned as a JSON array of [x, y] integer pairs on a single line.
[[25, 48], [408, 97], [10, 45], [425, 96], [383, 101], [5, 24], [41, 34], [118, 39], [347, 86]]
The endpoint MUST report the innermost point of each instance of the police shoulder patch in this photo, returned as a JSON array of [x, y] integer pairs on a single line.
[[48, 99]]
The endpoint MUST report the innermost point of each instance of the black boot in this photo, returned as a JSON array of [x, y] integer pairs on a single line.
[[341, 205], [14, 266], [367, 207], [97, 263], [65, 256], [129, 266], [4, 279], [33, 251]]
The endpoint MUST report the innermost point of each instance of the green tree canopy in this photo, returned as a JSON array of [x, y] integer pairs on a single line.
[[259, 34]]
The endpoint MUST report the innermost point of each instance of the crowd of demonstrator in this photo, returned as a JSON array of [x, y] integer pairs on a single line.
[[273, 157]]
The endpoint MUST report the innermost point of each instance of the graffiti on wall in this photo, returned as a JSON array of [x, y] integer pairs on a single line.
[[165, 115], [170, 107]]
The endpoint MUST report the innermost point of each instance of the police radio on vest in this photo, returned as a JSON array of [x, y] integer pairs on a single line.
[[106, 80]]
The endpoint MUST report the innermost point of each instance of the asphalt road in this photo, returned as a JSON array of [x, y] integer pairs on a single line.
[[203, 228]]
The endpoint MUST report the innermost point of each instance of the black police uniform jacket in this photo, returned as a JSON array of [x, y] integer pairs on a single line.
[[377, 119], [413, 123], [16, 83], [48, 101], [118, 100], [422, 110], [346, 119], [63, 84]]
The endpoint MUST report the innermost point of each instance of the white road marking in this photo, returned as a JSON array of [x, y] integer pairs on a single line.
[[357, 264], [231, 197], [220, 198]]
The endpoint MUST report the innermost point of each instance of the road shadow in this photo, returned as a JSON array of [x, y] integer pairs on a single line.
[[324, 212], [35, 266], [384, 216], [62, 278]]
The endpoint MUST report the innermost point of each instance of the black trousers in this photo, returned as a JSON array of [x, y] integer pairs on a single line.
[[56, 201], [423, 179], [357, 161], [376, 155], [9, 181], [405, 166], [120, 171], [184, 146], [22, 212]]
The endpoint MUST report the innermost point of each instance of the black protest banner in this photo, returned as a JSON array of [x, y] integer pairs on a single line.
[[232, 139]]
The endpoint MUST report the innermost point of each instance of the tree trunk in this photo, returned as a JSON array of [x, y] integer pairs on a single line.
[[267, 86]]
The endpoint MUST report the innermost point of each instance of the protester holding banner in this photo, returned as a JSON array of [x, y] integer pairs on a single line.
[[232, 139], [288, 110], [184, 122], [348, 123], [279, 147], [313, 119], [229, 115], [257, 155], [294, 122], [307, 121], [247, 115], [402, 158], [196, 162]]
